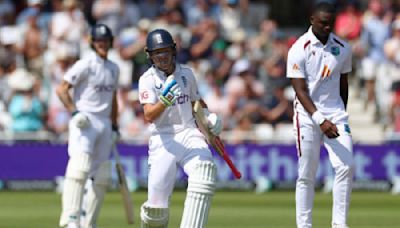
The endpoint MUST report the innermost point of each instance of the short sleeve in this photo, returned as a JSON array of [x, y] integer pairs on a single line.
[[76, 72], [347, 63], [296, 63], [147, 92], [117, 74], [194, 90]]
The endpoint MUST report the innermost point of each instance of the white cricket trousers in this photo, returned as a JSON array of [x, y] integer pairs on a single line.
[[166, 153], [340, 150]]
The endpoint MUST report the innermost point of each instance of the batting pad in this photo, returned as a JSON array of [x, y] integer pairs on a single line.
[[75, 178], [201, 186], [154, 217], [93, 198]]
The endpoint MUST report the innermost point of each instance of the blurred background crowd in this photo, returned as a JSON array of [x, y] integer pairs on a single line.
[[237, 48]]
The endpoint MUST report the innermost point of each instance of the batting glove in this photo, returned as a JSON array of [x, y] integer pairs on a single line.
[[80, 120], [171, 91], [214, 122]]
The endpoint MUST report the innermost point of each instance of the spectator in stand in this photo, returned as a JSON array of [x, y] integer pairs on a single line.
[[43, 17], [242, 131], [231, 16], [7, 67], [108, 12], [58, 115], [220, 62], [131, 116], [67, 26], [196, 11], [203, 37], [376, 32], [33, 43], [25, 107], [348, 26], [130, 46], [149, 9], [392, 52], [348, 23], [395, 113], [7, 12]]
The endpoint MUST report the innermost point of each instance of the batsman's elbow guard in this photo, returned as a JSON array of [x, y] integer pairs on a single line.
[[80, 120]]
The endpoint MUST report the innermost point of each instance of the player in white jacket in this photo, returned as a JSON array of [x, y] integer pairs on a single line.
[[318, 64], [92, 129], [167, 92]]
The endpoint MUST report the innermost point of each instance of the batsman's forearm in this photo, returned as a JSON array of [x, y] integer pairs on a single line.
[[306, 101], [153, 111], [114, 110], [66, 99], [344, 89]]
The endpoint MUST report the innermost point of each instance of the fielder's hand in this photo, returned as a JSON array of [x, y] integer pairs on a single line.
[[329, 129], [214, 122], [80, 120], [171, 91]]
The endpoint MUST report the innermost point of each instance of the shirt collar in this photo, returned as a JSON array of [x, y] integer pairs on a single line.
[[159, 72], [314, 40], [99, 59]]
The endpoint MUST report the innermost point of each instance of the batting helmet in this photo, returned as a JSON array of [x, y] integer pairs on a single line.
[[100, 32], [157, 39]]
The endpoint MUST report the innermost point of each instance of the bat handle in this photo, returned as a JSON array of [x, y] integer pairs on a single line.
[[235, 172]]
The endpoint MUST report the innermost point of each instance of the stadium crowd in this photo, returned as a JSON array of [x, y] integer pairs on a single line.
[[239, 59]]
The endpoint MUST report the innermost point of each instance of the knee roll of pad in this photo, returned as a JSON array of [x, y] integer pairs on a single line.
[[103, 174], [154, 217], [78, 166], [202, 179]]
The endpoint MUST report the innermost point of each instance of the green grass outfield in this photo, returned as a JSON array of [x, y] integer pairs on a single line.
[[230, 210]]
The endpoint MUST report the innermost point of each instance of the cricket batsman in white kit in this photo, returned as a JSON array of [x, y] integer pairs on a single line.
[[92, 130], [168, 91], [318, 64]]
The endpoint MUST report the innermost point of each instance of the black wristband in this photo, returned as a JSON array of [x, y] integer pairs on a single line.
[[115, 127], [74, 112]]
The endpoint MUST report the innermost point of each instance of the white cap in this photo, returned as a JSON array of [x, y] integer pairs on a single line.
[[34, 2], [238, 35], [396, 24], [10, 35], [65, 51], [70, 3], [240, 66], [133, 95], [21, 79], [144, 24]]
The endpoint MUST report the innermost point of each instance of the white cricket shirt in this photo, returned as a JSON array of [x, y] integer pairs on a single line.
[[321, 66], [94, 81], [178, 116]]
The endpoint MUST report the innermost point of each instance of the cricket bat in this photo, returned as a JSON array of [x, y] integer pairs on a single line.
[[213, 140], [126, 196]]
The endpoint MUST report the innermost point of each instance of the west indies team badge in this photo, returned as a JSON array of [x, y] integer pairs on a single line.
[[335, 50]]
